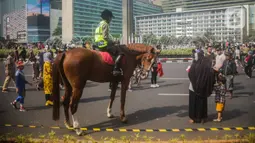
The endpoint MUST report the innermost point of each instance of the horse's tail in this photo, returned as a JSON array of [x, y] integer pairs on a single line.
[[57, 72]]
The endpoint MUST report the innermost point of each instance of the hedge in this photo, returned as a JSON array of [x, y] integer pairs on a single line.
[[172, 52], [177, 52]]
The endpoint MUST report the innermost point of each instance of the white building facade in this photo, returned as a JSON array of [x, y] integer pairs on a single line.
[[224, 23]]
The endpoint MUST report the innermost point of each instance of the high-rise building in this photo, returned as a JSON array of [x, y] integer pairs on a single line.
[[25, 20], [81, 17], [226, 23], [55, 15], [171, 5], [8, 6]]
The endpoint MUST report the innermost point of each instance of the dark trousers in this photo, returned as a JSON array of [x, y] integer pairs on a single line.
[[248, 70], [154, 77]]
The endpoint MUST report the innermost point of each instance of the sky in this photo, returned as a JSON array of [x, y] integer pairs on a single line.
[[33, 6]]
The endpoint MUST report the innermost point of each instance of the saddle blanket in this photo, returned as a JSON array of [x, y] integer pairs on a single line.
[[107, 58]]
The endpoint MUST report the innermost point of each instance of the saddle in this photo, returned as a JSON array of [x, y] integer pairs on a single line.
[[107, 57]]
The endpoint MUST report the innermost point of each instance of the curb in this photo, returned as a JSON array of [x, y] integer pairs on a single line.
[[137, 130], [109, 141]]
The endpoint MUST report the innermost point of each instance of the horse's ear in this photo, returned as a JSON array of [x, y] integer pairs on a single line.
[[153, 50]]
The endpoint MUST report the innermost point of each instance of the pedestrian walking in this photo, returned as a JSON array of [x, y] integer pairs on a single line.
[[9, 71], [20, 86], [201, 76], [248, 64], [16, 55], [220, 92], [23, 54], [41, 62], [35, 66], [229, 71], [47, 78], [154, 73]]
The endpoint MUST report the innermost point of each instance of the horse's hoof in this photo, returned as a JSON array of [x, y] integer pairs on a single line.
[[124, 120], [110, 116], [78, 132], [68, 126]]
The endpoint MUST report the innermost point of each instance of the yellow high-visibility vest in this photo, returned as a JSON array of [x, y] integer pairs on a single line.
[[99, 38]]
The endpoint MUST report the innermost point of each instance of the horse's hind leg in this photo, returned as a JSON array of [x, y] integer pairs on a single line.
[[113, 93], [66, 102], [74, 105]]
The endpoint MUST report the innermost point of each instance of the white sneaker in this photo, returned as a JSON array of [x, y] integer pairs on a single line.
[[156, 85], [153, 86]]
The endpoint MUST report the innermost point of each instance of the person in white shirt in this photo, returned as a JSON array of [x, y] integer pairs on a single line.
[[220, 58], [237, 56]]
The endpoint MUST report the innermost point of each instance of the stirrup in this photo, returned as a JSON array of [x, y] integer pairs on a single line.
[[117, 72]]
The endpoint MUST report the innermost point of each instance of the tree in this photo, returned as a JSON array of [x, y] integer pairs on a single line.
[[164, 40], [150, 39], [57, 31]]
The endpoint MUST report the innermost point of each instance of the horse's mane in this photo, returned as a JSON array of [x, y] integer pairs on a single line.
[[136, 48]]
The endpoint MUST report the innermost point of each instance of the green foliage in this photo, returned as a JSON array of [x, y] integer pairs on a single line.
[[57, 31], [150, 39], [179, 51]]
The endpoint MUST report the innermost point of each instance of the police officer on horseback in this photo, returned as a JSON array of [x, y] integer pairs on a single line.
[[103, 41]]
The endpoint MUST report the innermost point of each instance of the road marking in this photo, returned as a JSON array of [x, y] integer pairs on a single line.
[[13, 87], [212, 95], [136, 130]]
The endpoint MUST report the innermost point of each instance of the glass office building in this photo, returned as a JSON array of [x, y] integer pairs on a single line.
[[86, 14]]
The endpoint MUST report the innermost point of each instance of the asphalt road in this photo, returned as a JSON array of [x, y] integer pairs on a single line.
[[165, 107]]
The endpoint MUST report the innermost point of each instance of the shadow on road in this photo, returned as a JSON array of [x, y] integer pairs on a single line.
[[160, 86], [242, 93], [91, 84], [238, 87], [93, 99], [141, 116], [228, 115], [161, 81], [38, 108]]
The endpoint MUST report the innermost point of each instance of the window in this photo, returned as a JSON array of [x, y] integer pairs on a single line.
[[7, 19]]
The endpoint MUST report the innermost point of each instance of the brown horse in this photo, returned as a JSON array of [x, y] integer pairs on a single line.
[[78, 65]]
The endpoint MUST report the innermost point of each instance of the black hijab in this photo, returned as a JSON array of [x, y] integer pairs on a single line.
[[201, 75]]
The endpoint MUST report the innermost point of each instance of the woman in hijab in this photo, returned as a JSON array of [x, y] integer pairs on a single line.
[[201, 76]]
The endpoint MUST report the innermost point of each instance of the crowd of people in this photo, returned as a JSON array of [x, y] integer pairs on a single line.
[[214, 70], [41, 74]]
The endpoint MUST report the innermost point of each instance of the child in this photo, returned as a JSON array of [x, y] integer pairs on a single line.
[[20, 86], [220, 91]]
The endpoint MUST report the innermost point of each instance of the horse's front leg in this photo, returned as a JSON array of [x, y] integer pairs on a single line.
[[112, 97], [124, 86]]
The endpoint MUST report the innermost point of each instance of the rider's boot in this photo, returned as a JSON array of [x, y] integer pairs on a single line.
[[117, 70]]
